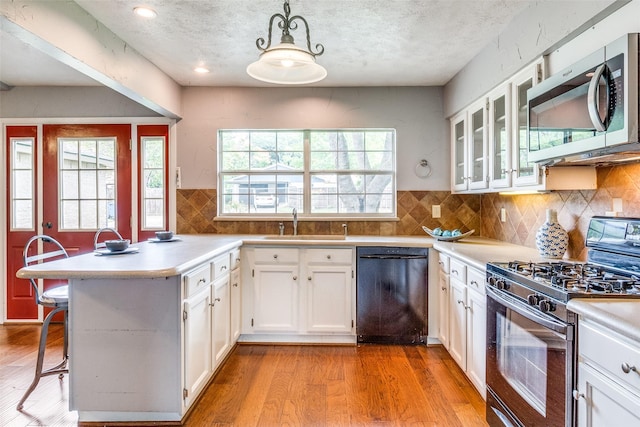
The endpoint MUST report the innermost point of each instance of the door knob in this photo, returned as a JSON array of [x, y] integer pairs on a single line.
[[48, 225]]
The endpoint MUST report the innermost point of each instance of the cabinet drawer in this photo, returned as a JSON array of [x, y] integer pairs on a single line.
[[197, 279], [443, 262], [276, 255], [220, 266], [330, 256], [610, 354], [458, 270], [234, 259], [476, 280]]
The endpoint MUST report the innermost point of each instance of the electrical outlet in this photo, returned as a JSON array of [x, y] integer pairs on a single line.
[[503, 215], [435, 211]]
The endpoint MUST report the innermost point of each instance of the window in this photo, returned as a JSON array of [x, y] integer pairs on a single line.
[[22, 184], [87, 171], [153, 182], [345, 173]]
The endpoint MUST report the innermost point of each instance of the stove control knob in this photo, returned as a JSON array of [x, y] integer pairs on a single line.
[[533, 299], [546, 306]]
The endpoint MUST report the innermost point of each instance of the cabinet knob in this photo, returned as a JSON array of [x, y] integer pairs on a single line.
[[443, 288], [626, 368], [328, 256], [295, 277], [577, 395], [309, 278], [202, 280], [214, 302], [275, 256], [440, 262], [223, 267], [460, 302]]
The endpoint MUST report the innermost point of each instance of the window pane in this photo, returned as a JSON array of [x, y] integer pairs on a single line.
[[88, 184], [153, 153], [153, 182], [88, 214], [235, 160], [69, 188], [22, 214], [22, 184], [234, 141], [70, 216], [324, 160], [291, 141], [290, 160], [22, 154], [88, 154], [323, 141], [153, 213]]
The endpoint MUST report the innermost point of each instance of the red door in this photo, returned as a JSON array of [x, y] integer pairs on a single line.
[[88, 183]]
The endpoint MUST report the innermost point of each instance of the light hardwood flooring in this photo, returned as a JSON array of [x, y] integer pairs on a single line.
[[269, 385]]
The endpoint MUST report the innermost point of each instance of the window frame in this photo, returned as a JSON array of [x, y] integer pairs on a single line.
[[307, 174]]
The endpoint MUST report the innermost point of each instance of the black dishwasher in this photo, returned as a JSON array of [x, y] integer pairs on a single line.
[[391, 295]]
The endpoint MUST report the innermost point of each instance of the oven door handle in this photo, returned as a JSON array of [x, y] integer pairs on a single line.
[[525, 311]]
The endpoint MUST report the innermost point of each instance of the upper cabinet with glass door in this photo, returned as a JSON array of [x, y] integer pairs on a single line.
[[489, 152], [469, 149]]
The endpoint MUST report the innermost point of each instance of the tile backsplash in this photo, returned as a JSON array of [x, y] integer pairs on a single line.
[[196, 210]]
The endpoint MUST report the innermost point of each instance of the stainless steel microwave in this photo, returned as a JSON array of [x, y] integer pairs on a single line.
[[588, 113]]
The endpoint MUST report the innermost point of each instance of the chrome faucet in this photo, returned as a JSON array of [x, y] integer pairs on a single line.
[[295, 222], [345, 230], [281, 228]]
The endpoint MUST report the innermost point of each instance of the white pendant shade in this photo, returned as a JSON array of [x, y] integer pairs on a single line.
[[286, 63]]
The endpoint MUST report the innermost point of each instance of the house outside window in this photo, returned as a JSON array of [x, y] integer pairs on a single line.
[[321, 173]]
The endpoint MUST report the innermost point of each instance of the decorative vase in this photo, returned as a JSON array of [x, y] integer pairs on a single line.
[[551, 238]]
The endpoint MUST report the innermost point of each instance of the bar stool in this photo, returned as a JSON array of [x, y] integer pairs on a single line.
[[99, 245], [56, 298]]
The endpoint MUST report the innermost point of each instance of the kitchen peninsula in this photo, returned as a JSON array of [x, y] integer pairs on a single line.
[[131, 350]]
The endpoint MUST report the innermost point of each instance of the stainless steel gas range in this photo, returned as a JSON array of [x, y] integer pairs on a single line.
[[531, 358]]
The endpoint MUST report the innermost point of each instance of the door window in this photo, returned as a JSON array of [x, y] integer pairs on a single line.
[[22, 184]]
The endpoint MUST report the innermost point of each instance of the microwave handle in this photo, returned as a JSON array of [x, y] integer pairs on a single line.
[[592, 99]]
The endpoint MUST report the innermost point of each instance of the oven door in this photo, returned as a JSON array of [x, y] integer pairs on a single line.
[[529, 365]]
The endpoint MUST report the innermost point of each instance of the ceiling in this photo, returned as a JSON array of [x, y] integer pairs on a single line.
[[367, 42]]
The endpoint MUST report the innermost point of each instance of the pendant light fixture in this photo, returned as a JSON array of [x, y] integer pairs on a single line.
[[287, 63]]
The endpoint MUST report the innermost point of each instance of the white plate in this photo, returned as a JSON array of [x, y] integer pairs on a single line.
[[447, 239], [129, 250], [156, 240]]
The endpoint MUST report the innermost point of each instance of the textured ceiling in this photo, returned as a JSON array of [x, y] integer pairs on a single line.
[[367, 42]]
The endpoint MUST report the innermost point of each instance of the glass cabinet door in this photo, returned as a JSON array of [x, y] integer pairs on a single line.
[[459, 151], [526, 172], [477, 146], [500, 138]]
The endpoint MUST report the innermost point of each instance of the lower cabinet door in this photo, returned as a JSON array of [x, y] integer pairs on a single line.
[[236, 305], [197, 343], [329, 299], [458, 322], [275, 298], [477, 340], [603, 402], [443, 310], [221, 319]]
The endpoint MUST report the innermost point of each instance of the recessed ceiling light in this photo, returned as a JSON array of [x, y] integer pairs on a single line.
[[145, 12], [201, 70]]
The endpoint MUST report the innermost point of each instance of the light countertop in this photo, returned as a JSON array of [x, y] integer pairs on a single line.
[[619, 315], [176, 257]]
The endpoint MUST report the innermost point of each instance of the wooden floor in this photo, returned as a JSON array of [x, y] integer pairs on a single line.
[[268, 385]]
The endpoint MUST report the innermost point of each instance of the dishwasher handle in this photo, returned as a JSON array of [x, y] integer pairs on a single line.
[[382, 256]]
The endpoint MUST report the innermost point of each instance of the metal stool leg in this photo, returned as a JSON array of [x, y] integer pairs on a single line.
[[59, 369]]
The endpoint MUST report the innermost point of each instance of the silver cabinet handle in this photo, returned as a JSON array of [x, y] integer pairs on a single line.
[[473, 282], [214, 302], [626, 368], [440, 262], [443, 288], [202, 280], [223, 267], [454, 271], [235, 284], [577, 395]]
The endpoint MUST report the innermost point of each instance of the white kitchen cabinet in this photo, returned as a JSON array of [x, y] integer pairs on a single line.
[[608, 385], [489, 144], [236, 296], [443, 300], [329, 289], [298, 293], [221, 316], [197, 343], [499, 131], [469, 148], [467, 321]]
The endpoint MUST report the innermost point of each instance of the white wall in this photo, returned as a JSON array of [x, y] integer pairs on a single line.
[[415, 112]]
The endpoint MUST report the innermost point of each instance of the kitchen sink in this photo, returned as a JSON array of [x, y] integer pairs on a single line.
[[306, 237]]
